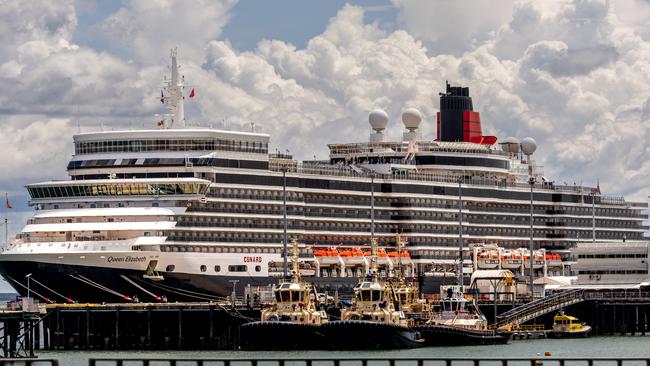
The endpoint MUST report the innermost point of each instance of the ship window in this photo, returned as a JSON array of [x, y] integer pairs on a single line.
[[203, 268], [258, 268], [217, 268], [170, 268], [238, 268]]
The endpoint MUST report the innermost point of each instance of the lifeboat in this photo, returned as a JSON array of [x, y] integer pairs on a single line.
[[381, 253], [347, 252], [512, 260], [538, 261], [328, 256], [488, 260], [320, 252], [553, 260], [353, 256]]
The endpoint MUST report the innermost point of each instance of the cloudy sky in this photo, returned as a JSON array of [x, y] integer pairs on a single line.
[[575, 75]]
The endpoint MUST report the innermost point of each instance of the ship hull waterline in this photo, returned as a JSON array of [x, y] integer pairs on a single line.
[[442, 335], [282, 335], [368, 335]]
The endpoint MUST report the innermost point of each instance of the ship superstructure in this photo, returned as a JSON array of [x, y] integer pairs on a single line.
[[180, 211]]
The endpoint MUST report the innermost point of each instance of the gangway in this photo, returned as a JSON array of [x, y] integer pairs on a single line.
[[540, 307]]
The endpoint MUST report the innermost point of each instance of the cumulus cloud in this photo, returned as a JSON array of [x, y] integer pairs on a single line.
[[143, 27], [573, 74]]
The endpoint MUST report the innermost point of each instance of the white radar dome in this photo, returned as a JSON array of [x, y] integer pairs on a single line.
[[378, 119], [510, 144], [411, 118], [528, 145]]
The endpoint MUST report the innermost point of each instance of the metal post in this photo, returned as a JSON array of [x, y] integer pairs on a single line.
[[531, 245], [233, 295], [593, 217], [372, 207], [460, 232], [6, 232], [28, 292], [284, 212]]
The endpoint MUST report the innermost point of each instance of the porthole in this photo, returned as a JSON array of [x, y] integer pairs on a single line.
[[217, 268], [258, 268], [170, 268], [203, 268]]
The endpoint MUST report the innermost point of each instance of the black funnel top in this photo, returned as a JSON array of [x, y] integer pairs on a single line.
[[453, 104]]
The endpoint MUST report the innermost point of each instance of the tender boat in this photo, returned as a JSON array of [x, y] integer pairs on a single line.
[[457, 324], [292, 322], [567, 326]]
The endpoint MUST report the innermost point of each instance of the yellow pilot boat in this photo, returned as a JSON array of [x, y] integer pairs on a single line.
[[567, 326]]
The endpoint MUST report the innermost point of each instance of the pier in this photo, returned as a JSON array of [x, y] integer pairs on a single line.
[[144, 326], [19, 334], [216, 326]]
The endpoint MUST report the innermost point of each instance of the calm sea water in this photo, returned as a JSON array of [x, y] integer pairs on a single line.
[[622, 346]]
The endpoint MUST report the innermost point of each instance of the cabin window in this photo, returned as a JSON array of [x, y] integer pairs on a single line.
[[258, 268], [217, 268], [203, 268], [239, 268], [170, 268]]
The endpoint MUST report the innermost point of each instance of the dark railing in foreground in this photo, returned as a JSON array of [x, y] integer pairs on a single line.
[[360, 361], [28, 362]]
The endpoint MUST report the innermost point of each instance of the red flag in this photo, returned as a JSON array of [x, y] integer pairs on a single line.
[[192, 93], [7, 203]]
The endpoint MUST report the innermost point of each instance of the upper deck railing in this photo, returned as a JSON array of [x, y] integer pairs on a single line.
[[405, 146], [354, 171]]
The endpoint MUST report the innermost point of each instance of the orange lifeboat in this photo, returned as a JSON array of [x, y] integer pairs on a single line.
[[393, 254], [320, 252], [332, 252], [406, 254], [345, 252], [356, 252]]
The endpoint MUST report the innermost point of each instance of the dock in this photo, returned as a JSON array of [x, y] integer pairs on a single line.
[[216, 326], [144, 326]]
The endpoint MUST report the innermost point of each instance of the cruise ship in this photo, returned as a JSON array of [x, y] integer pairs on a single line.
[[180, 213]]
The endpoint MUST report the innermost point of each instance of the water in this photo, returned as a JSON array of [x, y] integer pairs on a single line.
[[615, 346]]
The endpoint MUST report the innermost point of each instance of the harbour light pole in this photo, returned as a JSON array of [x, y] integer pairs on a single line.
[[593, 217], [285, 266], [460, 232], [528, 147], [372, 207]]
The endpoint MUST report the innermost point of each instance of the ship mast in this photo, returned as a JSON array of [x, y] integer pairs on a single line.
[[172, 96], [374, 272], [295, 264]]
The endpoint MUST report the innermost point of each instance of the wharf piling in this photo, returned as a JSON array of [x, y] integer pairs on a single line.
[[144, 326], [19, 331]]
